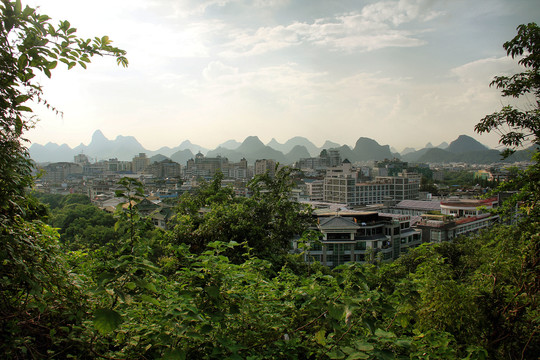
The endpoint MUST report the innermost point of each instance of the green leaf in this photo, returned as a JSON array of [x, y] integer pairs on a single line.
[[212, 291], [362, 346], [22, 61], [403, 343], [174, 355], [131, 285], [150, 300], [384, 334], [358, 355], [320, 337], [336, 311], [336, 354], [24, 108], [206, 328], [106, 320]]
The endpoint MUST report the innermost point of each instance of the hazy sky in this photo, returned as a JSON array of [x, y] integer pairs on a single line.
[[401, 72]]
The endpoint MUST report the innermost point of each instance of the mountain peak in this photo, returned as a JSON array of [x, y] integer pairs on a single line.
[[464, 144], [98, 136], [253, 141]]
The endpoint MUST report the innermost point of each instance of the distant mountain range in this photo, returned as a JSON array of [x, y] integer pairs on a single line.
[[463, 149]]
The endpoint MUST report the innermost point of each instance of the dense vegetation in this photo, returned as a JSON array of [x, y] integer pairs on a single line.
[[220, 283]]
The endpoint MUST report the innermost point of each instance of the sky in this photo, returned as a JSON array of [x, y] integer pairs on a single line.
[[402, 72]]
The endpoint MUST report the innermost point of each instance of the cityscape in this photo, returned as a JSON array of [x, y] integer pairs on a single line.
[[405, 203]]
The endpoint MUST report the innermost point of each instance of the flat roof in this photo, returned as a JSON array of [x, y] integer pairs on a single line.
[[419, 205]]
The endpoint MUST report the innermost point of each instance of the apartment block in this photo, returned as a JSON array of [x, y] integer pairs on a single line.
[[361, 237], [140, 162], [164, 169], [264, 165], [341, 186]]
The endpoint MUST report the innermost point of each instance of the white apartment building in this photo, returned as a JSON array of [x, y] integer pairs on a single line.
[[342, 187]]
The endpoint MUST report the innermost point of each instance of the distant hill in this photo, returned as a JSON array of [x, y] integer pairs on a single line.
[[367, 149], [182, 156], [463, 149], [329, 145], [436, 155], [465, 144], [293, 142], [122, 148], [158, 158], [230, 144], [252, 149], [407, 150], [443, 145], [298, 152], [51, 152], [231, 155]]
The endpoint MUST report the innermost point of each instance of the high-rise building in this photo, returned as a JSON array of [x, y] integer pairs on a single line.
[[264, 165], [139, 163]]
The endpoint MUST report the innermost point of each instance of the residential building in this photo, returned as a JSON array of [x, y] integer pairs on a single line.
[[361, 237], [341, 186], [115, 165], [327, 158], [81, 159], [205, 167], [164, 169], [264, 165], [315, 190], [58, 172], [140, 162], [457, 217]]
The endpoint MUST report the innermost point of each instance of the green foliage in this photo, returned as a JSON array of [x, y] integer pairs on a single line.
[[40, 298], [266, 223], [514, 125]]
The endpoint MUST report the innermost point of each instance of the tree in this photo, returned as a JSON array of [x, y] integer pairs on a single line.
[[265, 222], [517, 126], [38, 295]]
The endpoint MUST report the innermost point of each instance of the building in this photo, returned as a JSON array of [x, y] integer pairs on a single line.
[[467, 207], [404, 186], [58, 172], [315, 190], [457, 217], [139, 163], [164, 169], [341, 186], [81, 159], [264, 165], [361, 237], [327, 158], [115, 165], [237, 170], [206, 167]]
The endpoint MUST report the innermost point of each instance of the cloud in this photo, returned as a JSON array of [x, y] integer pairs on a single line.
[[374, 27], [217, 69]]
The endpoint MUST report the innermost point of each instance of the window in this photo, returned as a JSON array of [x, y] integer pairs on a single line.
[[360, 245]]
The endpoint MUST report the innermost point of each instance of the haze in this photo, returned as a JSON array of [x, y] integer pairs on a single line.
[[401, 72]]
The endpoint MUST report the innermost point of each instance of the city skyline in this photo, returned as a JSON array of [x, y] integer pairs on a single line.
[[400, 72]]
